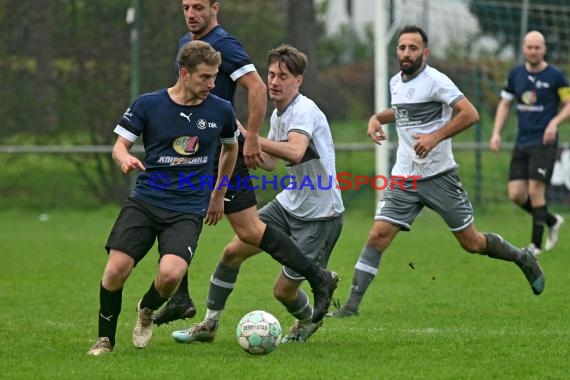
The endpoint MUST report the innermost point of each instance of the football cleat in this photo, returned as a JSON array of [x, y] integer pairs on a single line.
[[143, 329], [532, 271], [101, 347], [174, 310], [553, 231], [204, 331], [301, 331], [323, 295], [343, 312]]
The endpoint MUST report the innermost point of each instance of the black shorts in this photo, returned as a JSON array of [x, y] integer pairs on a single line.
[[536, 162], [139, 224], [239, 195]]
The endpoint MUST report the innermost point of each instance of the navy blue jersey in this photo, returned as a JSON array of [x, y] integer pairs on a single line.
[[180, 143], [538, 97], [235, 61]]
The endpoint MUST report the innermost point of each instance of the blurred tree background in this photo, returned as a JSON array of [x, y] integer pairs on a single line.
[[66, 64], [66, 67]]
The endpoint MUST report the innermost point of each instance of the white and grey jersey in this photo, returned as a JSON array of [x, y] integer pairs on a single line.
[[315, 195], [422, 105]]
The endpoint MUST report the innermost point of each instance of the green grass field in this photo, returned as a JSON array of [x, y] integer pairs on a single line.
[[452, 317]]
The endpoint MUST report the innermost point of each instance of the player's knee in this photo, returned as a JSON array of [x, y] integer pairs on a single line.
[[114, 277], [518, 198], [378, 239], [250, 234], [170, 279], [232, 256]]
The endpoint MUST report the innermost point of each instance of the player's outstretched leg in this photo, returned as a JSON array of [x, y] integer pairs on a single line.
[[499, 248], [532, 271], [365, 271], [322, 294], [222, 284], [283, 250]]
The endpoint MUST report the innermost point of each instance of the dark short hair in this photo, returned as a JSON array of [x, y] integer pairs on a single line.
[[196, 52], [295, 60], [414, 29]]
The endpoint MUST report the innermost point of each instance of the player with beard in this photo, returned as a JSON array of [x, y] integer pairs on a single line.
[[428, 109], [240, 201]]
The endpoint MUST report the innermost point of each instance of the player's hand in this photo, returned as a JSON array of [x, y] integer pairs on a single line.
[[215, 208], [130, 163], [424, 145], [550, 133], [252, 151], [495, 143], [251, 148], [375, 131]]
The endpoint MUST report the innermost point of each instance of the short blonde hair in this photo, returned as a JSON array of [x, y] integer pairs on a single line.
[[196, 52]]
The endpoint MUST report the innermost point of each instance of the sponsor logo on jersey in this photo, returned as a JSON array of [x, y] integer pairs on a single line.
[[173, 160], [203, 124], [186, 145], [528, 97]]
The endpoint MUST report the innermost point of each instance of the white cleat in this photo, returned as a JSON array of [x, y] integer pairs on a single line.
[[143, 329], [552, 236], [101, 347]]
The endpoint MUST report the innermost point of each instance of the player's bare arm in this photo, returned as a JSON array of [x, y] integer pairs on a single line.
[[375, 131], [552, 128], [465, 116], [257, 106], [500, 118], [291, 150], [228, 157], [123, 157], [269, 162]]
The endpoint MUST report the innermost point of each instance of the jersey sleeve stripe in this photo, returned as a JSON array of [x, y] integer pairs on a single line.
[[229, 140], [507, 95], [301, 131], [456, 100], [121, 131], [242, 71]]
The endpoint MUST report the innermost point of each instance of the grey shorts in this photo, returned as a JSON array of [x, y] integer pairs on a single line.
[[443, 193], [315, 238]]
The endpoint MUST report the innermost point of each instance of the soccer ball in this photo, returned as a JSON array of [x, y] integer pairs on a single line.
[[258, 332]]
